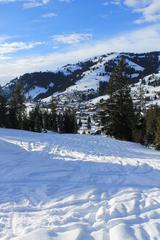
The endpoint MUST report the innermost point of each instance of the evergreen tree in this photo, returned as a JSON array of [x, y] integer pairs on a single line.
[[17, 108], [3, 110], [89, 123], [32, 120], [67, 122], [60, 123], [157, 135], [102, 114], [79, 123], [53, 116], [120, 112], [140, 113], [103, 87], [45, 121], [37, 119], [26, 122], [152, 116]]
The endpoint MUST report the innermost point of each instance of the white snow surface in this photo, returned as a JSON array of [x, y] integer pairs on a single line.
[[77, 187], [98, 99], [152, 92], [33, 93], [69, 69], [92, 77], [134, 65]]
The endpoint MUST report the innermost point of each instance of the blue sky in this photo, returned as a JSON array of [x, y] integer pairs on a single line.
[[45, 34]]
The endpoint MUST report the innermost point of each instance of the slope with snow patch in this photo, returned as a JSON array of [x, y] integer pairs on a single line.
[[91, 78], [149, 86], [76, 187]]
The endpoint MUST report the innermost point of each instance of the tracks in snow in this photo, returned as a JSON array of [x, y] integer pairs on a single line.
[[65, 187]]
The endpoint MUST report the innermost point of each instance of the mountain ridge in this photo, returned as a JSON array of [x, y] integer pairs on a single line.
[[84, 75]]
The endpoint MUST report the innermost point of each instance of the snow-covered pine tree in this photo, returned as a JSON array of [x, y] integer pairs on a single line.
[[140, 113]]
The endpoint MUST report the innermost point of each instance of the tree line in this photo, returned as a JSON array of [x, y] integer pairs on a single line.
[[14, 114], [125, 119]]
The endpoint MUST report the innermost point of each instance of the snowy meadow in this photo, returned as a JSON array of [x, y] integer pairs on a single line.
[[77, 187]]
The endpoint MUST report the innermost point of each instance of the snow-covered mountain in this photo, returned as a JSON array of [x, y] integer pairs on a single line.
[[85, 75], [150, 87], [77, 187]]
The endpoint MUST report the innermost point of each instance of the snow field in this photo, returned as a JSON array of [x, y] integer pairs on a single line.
[[77, 187]]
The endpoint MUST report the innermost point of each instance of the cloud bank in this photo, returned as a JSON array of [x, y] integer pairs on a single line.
[[143, 40]]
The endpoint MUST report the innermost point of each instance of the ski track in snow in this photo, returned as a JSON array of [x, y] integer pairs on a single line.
[[77, 187]]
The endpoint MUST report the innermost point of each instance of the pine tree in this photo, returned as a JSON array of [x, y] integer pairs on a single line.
[[157, 135], [89, 123], [140, 113], [67, 122], [26, 122], [103, 115], [60, 123], [17, 108], [3, 110], [53, 116], [120, 111], [152, 116], [79, 123], [37, 119], [102, 89], [32, 120], [45, 121]]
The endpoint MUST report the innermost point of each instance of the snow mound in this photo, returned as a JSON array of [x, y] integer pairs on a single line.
[[77, 187]]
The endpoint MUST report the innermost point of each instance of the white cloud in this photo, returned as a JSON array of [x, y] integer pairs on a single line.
[[28, 3], [114, 2], [72, 38], [149, 9], [133, 3], [66, 1], [7, 1], [35, 3], [105, 3], [6, 48], [50, 15], [142, 40]]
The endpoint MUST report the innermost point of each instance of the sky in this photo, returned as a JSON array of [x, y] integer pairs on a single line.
[[40, 35]]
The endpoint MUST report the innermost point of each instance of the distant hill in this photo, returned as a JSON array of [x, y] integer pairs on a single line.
[[85, 75]]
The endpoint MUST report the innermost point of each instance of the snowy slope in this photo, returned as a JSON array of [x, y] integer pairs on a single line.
[[69, 69], [84, 75], [33, 93], [150, 86], [91, 78], [76, 187], [98, 99]]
